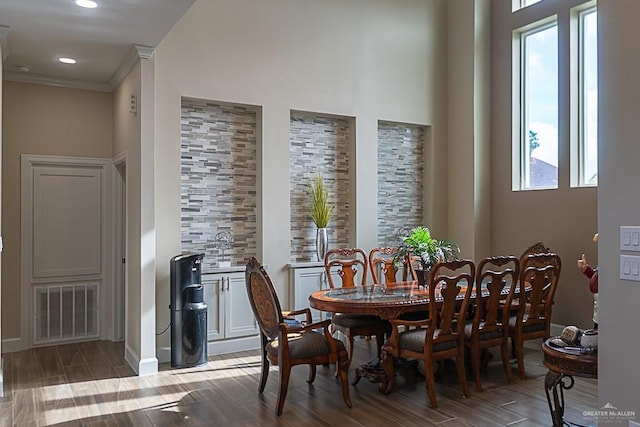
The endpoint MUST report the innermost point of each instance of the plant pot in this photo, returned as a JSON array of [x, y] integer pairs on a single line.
[[322, 243], [423, 276]]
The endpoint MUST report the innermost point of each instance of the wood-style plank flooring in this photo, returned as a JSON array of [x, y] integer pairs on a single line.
[[90, 384]]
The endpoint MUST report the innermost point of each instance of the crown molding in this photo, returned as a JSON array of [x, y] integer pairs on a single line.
[[136, 53], [4, 41], [42, 80]]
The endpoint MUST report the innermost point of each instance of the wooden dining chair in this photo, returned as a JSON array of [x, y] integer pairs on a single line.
[[536, 248], [540, 273], [383, 268], [288, 346], [441, 335], [350, 266], [489, 326]]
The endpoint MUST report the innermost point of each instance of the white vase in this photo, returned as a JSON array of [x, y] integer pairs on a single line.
[[322, 243]]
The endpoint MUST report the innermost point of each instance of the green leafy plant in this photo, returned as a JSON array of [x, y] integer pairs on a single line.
[[420, 243], [320, 209]]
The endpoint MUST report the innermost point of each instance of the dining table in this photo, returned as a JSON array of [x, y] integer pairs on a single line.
[[387, 301]]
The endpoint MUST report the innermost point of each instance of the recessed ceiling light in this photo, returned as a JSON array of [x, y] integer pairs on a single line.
[[67, 60], [86, 3]]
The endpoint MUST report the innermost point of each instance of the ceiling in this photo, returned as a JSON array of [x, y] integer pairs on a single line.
[[100, 39]]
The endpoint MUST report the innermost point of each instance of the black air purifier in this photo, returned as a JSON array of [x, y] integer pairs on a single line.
[[188, 312]]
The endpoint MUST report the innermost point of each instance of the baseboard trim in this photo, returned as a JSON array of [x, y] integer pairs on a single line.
[[148, 366], [232, 345], [132, 358], [1, 378], [141, 367], [12, 345]]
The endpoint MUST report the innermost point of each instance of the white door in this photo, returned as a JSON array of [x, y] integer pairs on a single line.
[[64, 249]]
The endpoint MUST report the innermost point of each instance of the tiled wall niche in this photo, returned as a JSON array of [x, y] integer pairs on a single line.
[[218, 179], [319, 144], [400, 179]]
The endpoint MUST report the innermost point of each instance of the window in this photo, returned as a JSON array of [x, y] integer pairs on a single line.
[[555, 96], [587, 152], [519, 4], [538, 107]]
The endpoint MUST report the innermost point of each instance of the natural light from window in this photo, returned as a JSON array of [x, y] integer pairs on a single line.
[[539, 137], [589, 98], [519, 4]]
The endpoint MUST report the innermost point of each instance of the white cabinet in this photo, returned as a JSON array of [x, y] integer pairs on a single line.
[[304, 279], [229, 311]]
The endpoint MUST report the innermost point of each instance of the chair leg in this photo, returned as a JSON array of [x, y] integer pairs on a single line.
[[343, 371], [520, 356], [505, 359], [430, 382], [475, 364], [285, 370], [462, 375], [265, 366], [312, 373]]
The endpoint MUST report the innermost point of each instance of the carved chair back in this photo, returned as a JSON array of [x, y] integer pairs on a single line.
[[263, 299], [349, 264], [452, 281]]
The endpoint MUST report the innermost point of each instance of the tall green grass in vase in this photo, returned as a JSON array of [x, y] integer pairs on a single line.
[[319, 209]]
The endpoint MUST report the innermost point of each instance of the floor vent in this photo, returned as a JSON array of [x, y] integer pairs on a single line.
[[66, 312]]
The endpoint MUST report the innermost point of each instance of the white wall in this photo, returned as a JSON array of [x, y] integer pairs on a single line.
[[132, 136], [619, 199], [382, 61]]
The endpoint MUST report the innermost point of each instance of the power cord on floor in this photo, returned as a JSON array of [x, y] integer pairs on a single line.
[[165, 329]]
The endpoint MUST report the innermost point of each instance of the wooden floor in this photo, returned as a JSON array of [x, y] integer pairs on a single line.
[[90, 384]]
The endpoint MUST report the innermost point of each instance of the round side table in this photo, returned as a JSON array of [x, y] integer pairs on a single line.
[[564, 363]]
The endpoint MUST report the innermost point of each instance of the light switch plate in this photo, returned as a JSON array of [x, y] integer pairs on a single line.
[[630, 238], [630, 267]]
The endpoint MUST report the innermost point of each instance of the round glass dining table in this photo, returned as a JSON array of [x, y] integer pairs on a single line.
[[386, 301]]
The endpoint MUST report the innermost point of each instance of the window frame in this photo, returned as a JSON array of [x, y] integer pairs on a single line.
[[520, 161], [578, 100]]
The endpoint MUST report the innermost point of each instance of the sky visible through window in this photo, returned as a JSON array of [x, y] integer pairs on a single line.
[[590, 93], [542, 93]]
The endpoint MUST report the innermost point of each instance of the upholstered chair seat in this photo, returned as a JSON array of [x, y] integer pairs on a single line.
[[301, 346]]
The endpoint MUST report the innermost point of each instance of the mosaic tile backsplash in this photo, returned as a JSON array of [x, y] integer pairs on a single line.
[[318, 144], [400, 179], [218, 181]]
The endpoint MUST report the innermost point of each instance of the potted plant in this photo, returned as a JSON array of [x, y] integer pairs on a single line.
[[429, 250], [320, 211]]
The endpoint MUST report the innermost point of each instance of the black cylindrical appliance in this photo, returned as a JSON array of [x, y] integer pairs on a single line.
[[188, 312]]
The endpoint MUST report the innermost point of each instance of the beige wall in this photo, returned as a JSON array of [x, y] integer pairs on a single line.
[[43, 120], [377, 62], [565, 219], [1, 374], [468, 140], [619, 199]]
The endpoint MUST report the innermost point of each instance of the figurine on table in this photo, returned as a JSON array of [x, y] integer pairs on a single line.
[[592, 274]]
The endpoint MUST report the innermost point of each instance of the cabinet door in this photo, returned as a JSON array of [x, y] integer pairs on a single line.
[[307, 281], [213, 297], [239, 319]]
